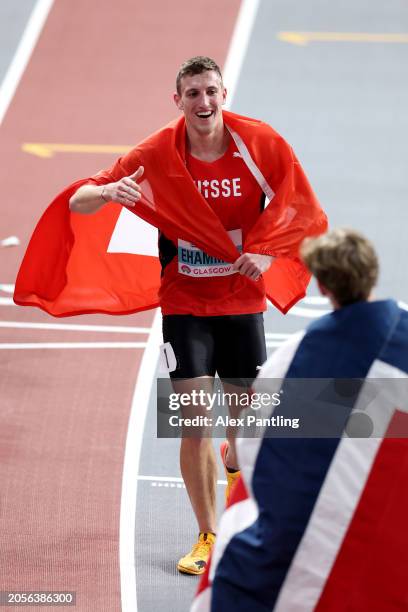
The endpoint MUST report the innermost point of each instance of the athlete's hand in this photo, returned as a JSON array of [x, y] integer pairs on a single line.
[[253, 265], [126, 191]]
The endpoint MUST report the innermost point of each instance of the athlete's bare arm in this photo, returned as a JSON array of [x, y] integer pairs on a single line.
[[253, 265], [89, 199]]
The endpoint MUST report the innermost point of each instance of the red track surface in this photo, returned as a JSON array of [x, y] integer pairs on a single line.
[[102, 73]]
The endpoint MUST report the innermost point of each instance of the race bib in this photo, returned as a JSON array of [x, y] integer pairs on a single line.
[[194, 262]]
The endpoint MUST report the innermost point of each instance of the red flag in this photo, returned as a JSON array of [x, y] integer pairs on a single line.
[[69, 268]]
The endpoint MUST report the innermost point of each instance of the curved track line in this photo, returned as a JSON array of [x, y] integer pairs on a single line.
[[133, 449], [22, 56], [171, 479], [238, 46], [69, 345], [116, 329], [307, 313]]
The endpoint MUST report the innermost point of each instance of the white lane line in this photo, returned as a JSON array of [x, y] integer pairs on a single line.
[[9, 346], [6, 288], [238, 46], [297, 311], [307, 313], [134, 439], [23, 53], [161, 478], [117, 329], [10, 241], [171, 479], [171, 485], [103, 328], [316, 300], [277, 336]]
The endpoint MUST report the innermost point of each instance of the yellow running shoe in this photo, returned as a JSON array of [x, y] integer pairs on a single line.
[[196, 561], [232, 477]]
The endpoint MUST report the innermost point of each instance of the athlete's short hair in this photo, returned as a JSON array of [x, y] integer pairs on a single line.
[[196, 65], [344, 262]]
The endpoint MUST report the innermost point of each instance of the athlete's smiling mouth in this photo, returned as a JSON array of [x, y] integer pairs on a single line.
[[205, 114]]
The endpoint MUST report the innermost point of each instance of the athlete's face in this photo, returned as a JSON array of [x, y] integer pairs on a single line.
[[201, 99]]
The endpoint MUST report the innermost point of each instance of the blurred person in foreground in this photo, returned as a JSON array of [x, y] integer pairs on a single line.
[[320, 523]]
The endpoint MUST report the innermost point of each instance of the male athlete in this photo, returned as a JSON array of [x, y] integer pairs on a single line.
[[212, 309]]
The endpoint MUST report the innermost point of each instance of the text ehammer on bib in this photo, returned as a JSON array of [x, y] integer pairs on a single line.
[[194, 262]]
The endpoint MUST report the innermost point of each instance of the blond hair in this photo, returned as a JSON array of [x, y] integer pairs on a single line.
[[344, 262]]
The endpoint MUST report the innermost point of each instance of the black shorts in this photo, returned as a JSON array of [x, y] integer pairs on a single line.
[[231, 345]]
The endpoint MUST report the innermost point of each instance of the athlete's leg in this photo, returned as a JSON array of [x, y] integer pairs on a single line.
[[192, 340], [234, 394], [237, 397], [197, 458], [239, 352]]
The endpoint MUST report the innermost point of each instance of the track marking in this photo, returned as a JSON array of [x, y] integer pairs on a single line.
[[25, 48], [304, 38], [308, 313], [273, 340], [134, 439], [116, 329], [10, 241], [276, 336], [296, 311], [97, 345], [177, 485], [158, 481], [26, 346], [238, 46], [315, 313], [316, 299], [47, 150], [9, 346]]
